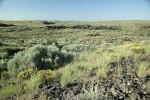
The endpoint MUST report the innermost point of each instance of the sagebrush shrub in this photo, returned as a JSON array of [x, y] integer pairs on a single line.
[[79, 47], [38, 57]]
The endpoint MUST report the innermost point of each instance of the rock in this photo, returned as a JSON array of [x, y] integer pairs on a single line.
[[93, 72], [127, 86], [145, 58], [113, 64], [114, 92], [122, 88], [144, 87], [55, 91], [147, 78], [133, 96], [36, 96]]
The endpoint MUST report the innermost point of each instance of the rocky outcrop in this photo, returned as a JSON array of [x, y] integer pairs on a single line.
[[55, 91], [128, 86]]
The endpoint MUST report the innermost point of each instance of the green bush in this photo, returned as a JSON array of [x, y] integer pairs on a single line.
[[3, 55], [3, 63], [37, 58]]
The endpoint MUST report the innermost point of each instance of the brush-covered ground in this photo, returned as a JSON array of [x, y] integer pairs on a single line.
[[58, 60]]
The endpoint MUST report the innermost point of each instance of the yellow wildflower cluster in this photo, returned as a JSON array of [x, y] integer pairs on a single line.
[[25, 74], [138, 49], [45, 75]]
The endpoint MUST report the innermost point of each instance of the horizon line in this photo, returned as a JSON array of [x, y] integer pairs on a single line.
[[81, 20]]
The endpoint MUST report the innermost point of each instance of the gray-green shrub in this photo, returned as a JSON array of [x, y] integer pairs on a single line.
[[38, 57]]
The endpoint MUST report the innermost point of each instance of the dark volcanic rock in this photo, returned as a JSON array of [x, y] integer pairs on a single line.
[[128, 86], [93, 72], [55, 91]]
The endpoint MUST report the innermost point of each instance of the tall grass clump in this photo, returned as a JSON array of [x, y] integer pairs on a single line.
[[9, 92]]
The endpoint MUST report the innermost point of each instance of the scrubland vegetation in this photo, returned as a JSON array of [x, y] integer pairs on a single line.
[[58, 60]]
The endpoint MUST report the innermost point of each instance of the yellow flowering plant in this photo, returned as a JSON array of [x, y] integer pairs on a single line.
[[45, 75], [25, 74]]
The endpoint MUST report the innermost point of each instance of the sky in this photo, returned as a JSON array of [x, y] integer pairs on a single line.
[[78, 10]]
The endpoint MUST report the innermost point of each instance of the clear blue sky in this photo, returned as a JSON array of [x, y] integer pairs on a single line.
[[74, 9]]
